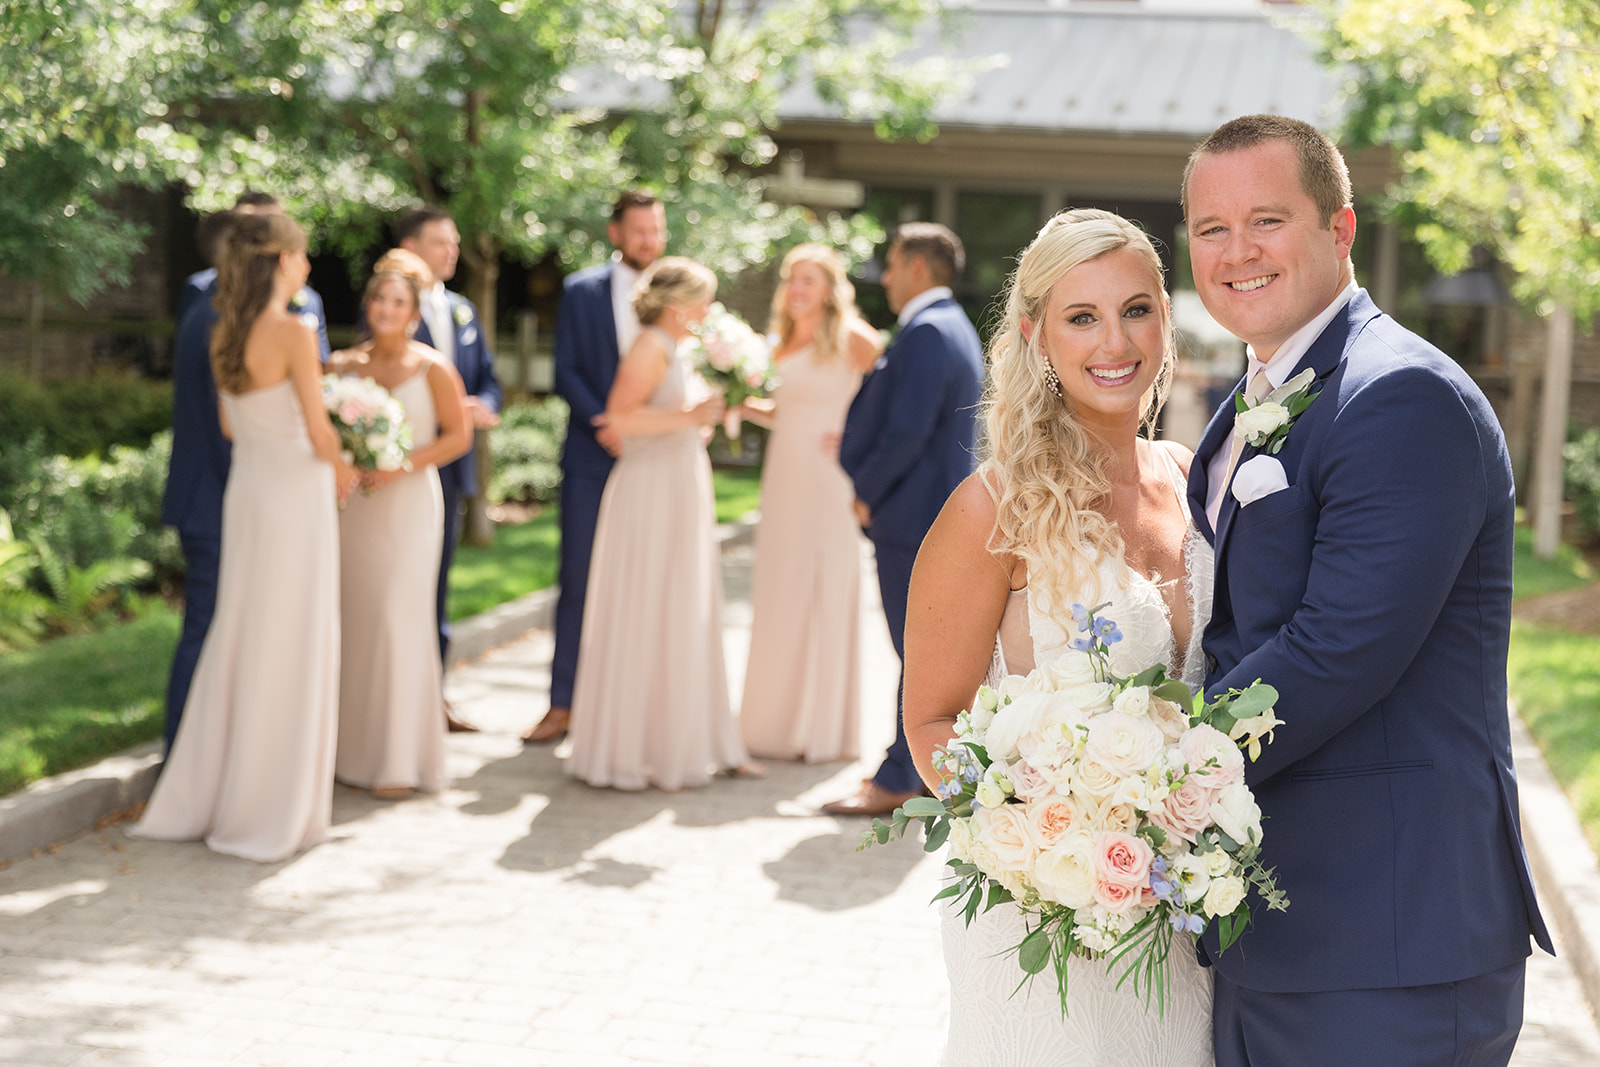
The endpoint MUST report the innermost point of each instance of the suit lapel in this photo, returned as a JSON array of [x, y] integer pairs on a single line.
[[606, 314], [1322, 358]]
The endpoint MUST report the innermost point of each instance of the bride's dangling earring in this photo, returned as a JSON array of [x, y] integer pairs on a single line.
[[1050, 377]]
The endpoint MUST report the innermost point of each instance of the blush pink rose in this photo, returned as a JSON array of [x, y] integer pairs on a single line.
[[1122, 858], [1187, 809], [1028, 783], [1116, 897]]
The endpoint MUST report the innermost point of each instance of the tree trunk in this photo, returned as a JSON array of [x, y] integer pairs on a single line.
[[1552, 434]]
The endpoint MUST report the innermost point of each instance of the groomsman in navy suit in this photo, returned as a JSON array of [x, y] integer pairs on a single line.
[[909, 439], [1365, 571], [596, 326], [197, 472], [451, 327]]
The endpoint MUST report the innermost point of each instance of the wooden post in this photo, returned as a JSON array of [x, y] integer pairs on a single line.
[[33, 330], [1552, 434]]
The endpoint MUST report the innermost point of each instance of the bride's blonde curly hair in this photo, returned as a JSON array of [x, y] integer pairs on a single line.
[[1046, 472]]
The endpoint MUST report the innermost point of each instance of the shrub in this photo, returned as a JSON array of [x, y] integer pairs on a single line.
[[1582, 479], [81, 416], [527, 451]]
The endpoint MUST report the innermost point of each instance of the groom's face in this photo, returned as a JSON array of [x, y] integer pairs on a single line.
[[640, 235], [1265, 262]]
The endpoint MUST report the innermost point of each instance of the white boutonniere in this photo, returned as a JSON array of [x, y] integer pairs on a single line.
[[1265, 424], [463, 315], [300, 299]]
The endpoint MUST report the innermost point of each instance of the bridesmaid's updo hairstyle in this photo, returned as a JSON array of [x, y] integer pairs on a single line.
[[244, 286], [670, 282], [838, 308], [399, 265], [1045, 470]]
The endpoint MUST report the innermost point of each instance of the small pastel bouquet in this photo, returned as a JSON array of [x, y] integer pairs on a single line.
[[371, 423], [1112, 811], [733, 359]]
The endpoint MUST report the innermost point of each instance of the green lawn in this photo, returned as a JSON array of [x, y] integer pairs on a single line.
[[1535, 576], [75, 700]]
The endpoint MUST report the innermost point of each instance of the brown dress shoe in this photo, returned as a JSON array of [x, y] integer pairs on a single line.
[[454, 723], [870, 800], [553, 727]]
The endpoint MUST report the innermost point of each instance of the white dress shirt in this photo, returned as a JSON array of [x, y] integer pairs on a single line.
[[1277, 369], [922, 300], [623, 279], [441, 323]]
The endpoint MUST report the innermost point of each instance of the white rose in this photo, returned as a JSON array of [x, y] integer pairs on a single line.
[[1014, 685], [1224, 895], [1017, 885], [1023, 716], [1124, 744], [1237, 814], [1218, 862], [961, 839], [1188, 872], [1113, 817], [1092, 779], [1004, 828], [1072, 677], [1134, 701], [989, 794], [1027, 781], [1064, 872], [1208, 752], [1260, 420]]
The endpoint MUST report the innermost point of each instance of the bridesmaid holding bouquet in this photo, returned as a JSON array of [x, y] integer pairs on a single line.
[[650, 702], [391, 737], [802, 687]]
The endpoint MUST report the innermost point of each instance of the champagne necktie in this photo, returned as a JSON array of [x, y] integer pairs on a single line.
[[1255, 392]]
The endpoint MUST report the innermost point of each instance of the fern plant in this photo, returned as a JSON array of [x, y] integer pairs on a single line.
[[79, 595], [22, 609]]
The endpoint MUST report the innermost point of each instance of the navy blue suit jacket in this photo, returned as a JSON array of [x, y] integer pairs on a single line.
[[1375, 594], [586, 365], [475, 362], [910, 436], [197, 473]]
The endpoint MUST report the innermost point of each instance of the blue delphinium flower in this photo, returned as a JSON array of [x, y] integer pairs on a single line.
[[1182, 920], [1080, 615], [1107, 631], [1083, 644]]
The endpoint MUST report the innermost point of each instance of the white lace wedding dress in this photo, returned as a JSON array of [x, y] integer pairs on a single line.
[[1105, 1026]]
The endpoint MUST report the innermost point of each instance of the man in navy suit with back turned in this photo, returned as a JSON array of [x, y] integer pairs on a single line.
[[596, 326], [197, 472], [1364, 570], [450, 326], [909, 440]]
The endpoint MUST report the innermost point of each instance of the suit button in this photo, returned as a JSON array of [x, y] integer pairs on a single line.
[[1211, 664]]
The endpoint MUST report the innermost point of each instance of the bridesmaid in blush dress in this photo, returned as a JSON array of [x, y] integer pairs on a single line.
[[802, 685], [251, 769], [391, 737], [650, 701]]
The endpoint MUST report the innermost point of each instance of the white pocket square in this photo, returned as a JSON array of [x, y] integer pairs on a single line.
[[1257, 477]]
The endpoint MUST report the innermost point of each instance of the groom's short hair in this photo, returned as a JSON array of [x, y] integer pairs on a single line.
[[936, 246], [631, 199], [1323, 174], [409, 225]]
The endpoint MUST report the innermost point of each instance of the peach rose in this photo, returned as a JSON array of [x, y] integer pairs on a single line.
[[1122, 859], [1052, 819]]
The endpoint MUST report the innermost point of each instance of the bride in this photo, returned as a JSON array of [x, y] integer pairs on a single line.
[[1073, 505]]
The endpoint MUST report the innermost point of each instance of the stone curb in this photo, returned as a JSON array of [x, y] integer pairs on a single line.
[[65, 805], [1565, 871]]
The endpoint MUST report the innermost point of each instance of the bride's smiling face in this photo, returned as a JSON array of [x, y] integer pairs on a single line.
[[1102, 332]]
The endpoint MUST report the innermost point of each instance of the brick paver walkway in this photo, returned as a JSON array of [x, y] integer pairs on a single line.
[[523, 918]]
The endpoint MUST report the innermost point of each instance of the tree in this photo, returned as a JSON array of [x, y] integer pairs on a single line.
[[1493, 109]]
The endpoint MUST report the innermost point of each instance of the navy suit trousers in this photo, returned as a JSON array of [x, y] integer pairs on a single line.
[[202, 557], [898, 772], [1471, 1023], [452, 533], [580, 511]]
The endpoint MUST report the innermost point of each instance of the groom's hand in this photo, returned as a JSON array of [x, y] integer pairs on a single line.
[[609, 439], [863, 514]]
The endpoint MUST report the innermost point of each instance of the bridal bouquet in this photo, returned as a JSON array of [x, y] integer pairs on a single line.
[[371, 423], [732, 358], [1112, 814]]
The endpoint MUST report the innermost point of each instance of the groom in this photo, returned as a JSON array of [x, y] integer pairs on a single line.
[[1365, 571]]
